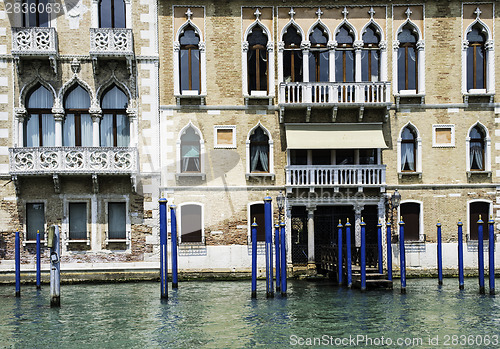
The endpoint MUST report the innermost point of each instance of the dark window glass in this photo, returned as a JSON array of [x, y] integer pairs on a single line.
[[78, 221], [117, 220], [35, 220], [257, 60], [191, 223], [344, 56], [292, 56], [111, 14], [344, 156], [476, 149], [410, 211], [257, 212], [321, 157], [259, 151], [189, 57], [39, 127], [190, 151], [37, 18], [476, 58], [115, 125], [477, 209], [368, 157], [319, 55], [370, 55], [408, 150], [407, 59], [298, 157], [77, 127]]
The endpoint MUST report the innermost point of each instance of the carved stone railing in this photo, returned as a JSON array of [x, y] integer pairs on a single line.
[[111, 42], [335, 93], [333, 176], [34, 41], [73, 160]]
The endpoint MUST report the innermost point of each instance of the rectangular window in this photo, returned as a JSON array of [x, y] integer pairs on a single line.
[[35, 220], [78, 221], [191, 226], [117, 220], [443, 136], [344, 157], [225, 136], [257, 213], [368, 157], [410, 211], [298, 157], [477, 209]]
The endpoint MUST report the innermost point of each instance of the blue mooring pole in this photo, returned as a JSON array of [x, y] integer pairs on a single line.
[[163, 250], [348, 253], [283, 260], [480, 254], [379, 246], [254, 259], [38, 261], [389, 251], [339, 253], [269, 246], [439, 254], [173, 232], [17, 252], [491, 253], [460, 257], [402, 260], [278, 261], [363, 256]]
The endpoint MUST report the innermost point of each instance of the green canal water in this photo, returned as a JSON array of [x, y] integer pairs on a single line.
[[220, 314]]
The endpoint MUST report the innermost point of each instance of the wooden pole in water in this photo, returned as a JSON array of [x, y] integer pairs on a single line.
[[460, 256], [163, 250], [379, 247], [283, 260], [491, 253], [389, 251], [439, 255], [402, 260], [348, 253], [339, 254], [254, 259], [363, 255], [38, 261], [173, 230], [480, 254], [278, 260], [55, 268], [269, 246], [17, 254]]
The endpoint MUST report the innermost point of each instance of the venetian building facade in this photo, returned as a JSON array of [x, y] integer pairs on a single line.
[[79, 121], [337, 105]]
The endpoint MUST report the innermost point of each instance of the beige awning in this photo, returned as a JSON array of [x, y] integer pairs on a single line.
[[335, 136]]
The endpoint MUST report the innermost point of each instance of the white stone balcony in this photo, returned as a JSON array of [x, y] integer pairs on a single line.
[[335, 95], [35, 42], [73, 160], [112, 43], [336, 176]]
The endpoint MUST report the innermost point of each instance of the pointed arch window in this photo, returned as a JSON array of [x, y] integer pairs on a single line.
[[408, 150], [115, 125], [370, 55], [32, 16], [77, 128], [476, 58], [189, 58], [319, 55], [112, 14], [259, 151], [344, 56], [292, 55], [190, 151], [477, 149], [39, 127], [407, 59], [257, 60]]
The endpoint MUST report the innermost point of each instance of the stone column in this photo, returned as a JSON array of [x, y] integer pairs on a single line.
[[132, 118], [395, 48], [95, 13], [281, 47], [58, 126], [128, 14], [270, 69], [332, 45], [311, 261], [244, 68], [490, 61], [383, 68], [357, 224], [465, 46], [421, 66], [96, 115], [358, 45], [203, 68], [177, 82], [20, 114], [307, 94]]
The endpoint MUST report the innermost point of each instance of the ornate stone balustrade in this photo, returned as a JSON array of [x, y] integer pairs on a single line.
[[73, 160], [336, 176], [111, 42], [34, 41]]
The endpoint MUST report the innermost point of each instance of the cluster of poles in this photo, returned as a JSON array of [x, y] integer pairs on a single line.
[[280, 248], [164, 251], [55, 265]]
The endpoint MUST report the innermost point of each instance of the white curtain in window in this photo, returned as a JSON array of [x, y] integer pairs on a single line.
[[48, 130], [476, 156], [114, 99], [191, 159], [122, 131], [78, 98], [31, 132], [259, 156], [41, 98], [107, 130], [86, 129], [69, 131], [407, 157]]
